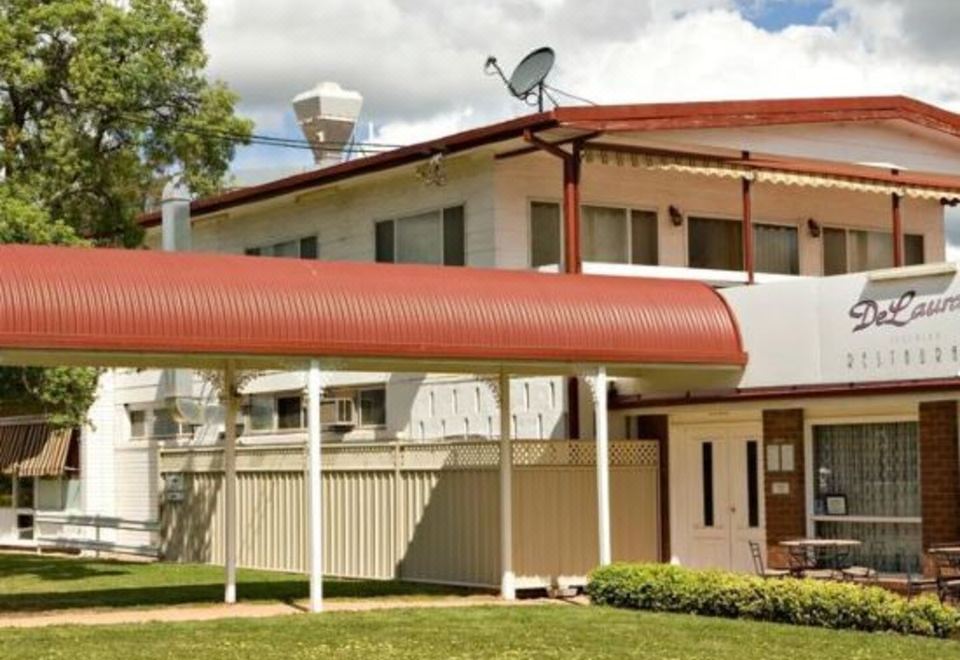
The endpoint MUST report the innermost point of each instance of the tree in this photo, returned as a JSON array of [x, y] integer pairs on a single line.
[[100, 103]]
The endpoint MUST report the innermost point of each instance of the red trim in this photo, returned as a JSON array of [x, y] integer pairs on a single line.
[[115, 301], [747, 230], [811, 391], [897, 236], [719, 114]]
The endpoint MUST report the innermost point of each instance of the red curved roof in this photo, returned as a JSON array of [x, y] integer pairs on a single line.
[[140, 302]]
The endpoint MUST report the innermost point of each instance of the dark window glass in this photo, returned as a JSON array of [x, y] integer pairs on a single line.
[[912, 249], [643, 238], [25, 493], [707, 466], [384, 247], [776, 249], [753, 486], [289, 412], [6, 491], [308, 247], [454, 243], [714, 243], [545, 234], [373, 407], [25, 527], [834, 251], [252, 252]]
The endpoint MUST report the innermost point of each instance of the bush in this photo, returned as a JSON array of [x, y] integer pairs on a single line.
[[666, 588]]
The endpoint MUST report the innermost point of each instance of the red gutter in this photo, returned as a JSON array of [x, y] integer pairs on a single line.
[[877, 388]]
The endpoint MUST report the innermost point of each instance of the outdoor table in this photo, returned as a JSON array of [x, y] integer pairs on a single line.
[[823, 551], [950, 553]]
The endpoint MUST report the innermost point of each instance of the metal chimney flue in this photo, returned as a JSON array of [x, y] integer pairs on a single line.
[[175, 232]]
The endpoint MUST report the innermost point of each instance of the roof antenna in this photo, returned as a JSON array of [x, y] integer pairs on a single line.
[[527, 80]]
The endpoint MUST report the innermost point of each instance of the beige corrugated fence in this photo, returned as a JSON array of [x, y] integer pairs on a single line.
[[419, 511]]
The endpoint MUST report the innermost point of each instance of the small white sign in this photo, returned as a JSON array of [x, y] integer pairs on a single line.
[[780, 488]]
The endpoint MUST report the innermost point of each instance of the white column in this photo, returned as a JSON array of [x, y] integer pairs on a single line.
[[230, 484], [315, 507], [507, 588], [603, 464]]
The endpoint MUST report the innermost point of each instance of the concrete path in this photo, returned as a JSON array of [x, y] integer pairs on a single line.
[[244, 611]]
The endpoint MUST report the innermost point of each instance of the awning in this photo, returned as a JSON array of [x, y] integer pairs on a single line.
[[782, 172], [34, 450], [133, 307]]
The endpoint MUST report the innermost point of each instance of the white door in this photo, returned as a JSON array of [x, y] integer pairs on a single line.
[[717, 488]]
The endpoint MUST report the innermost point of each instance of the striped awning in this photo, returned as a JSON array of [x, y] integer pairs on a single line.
[[767, 172], [34, 450]]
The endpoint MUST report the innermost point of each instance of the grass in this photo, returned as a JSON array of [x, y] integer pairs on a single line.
[[32, 583], [545, 631]]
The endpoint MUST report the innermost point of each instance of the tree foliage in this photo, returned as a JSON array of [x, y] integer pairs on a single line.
[[100, 102]]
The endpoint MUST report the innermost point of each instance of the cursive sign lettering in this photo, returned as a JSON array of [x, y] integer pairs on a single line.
[[899, 312]]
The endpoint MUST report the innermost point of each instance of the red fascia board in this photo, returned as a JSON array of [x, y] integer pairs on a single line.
[[612, 118], [808, 391]]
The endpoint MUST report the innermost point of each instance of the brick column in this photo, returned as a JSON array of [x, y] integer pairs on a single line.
[[786, 513], [939, 472]]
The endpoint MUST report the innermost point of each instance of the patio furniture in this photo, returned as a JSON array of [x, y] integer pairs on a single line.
[[946, 559], [918, 584], [862, 574], [758, 565], [818, 559]]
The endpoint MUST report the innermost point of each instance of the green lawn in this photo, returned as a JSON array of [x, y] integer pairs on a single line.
[[544, 631], [30, 583]]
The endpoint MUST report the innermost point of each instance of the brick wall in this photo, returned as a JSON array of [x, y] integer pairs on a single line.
[[786, 514], [939, 472]]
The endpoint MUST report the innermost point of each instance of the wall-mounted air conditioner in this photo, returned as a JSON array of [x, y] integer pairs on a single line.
[[338, 413]]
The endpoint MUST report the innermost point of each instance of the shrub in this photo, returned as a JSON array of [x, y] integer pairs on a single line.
[[666, 588]]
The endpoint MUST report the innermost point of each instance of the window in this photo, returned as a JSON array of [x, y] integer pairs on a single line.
[[619, 236], [24, 493], [545, 234], [260, 413], [6, 491], [706, 459], [58, 494], [290, 412], [303, 248], [372, 404], [873, 469], [858, 250], [434, 237], [714, 243], [776, 249], [753, 485], [156, 423]]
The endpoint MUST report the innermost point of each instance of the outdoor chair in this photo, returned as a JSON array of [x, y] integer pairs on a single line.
[[948, 576], [758, 566], [859, 573], [918, 584], [803, 564]]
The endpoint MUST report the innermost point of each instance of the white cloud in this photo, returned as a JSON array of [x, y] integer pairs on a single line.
[[419, 62]]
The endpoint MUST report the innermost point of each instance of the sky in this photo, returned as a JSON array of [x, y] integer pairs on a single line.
[[419, 63]]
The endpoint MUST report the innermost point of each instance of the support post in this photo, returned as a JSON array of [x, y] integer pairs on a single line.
[[897, 230], [230, 483], [573, 259], [315, 504], [603, 464], [748, 263], [507, 586]]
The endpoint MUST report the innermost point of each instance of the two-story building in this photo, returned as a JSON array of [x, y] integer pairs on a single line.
[[769, 193]]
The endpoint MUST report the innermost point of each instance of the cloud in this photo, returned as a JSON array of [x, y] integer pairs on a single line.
[[419, 63]]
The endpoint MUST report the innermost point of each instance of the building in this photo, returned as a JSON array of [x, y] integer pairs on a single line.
[[777, 193]]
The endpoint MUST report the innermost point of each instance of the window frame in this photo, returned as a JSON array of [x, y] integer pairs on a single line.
[[440, 210], [257, 250], [729, 217], [846, 229], [361, 424], [184, 429], [274, 397], [628, 209]]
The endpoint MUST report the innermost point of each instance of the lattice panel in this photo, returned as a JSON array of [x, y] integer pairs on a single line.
[[457, 455], [643, 453]]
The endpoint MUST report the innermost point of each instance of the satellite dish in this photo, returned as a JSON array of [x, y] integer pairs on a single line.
[[528, 77]]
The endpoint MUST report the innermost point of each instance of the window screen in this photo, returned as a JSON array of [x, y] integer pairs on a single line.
[[714, 243], [454, 237], [384, 241], [834, 251], [545, 234], [643, 238], [870, 250], [776, 250], [912, 249], [603, 234]]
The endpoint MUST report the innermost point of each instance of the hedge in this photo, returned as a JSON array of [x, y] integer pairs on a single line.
[[666, 588]]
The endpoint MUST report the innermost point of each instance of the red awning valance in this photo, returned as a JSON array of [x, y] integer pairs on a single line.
[[57, 303]]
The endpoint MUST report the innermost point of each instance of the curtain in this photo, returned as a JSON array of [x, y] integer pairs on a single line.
[[604, 234], [776, 249]]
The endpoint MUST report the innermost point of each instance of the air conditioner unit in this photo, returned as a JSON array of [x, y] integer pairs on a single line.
[[338, 413]]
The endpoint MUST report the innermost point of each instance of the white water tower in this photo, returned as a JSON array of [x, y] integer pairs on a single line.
[[327, 115]]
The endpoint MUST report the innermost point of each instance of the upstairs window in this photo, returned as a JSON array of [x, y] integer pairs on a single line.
[[274, 412], [435, 237], [156, 423], [858, 250], [608, 235], [717, 244], [303, 248]]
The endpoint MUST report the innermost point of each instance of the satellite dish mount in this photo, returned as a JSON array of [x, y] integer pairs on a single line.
[[527, 80]]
